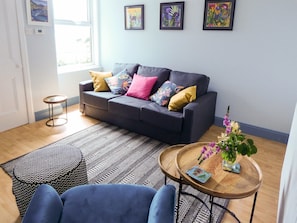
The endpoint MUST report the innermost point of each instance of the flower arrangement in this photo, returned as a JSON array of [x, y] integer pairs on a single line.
[[230, 143]]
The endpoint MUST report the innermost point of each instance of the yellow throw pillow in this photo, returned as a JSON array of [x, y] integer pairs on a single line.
[[99, 81], [182, 98]]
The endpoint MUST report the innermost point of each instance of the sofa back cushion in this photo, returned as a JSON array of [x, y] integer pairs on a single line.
[[189, 79], [161, 73], [131, 68]]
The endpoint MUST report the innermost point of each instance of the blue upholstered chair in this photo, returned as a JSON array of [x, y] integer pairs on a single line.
[[102, 203]]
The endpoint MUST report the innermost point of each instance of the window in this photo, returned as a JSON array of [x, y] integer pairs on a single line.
[[74, 34]]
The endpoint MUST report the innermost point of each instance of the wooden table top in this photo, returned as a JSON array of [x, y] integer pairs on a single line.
[[222, 183], [55, 99], [167, 161]]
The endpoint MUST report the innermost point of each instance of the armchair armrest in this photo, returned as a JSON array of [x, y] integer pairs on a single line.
[[44, 207], [162, 206], [199, 116], [84, 86]]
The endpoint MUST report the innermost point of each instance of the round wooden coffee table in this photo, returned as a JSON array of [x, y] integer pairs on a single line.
[[222, 184]]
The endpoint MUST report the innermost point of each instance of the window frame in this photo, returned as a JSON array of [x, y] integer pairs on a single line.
[[92, 18]]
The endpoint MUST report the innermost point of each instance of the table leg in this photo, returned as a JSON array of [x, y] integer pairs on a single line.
[[51, 119], [50, 115], [210, 211], [226, 209], [66, 111], [253, 208]]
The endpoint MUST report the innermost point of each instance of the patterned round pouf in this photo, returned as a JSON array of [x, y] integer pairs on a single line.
[[61, 166]]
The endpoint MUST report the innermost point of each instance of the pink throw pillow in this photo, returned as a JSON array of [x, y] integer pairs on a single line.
[[141, 86]]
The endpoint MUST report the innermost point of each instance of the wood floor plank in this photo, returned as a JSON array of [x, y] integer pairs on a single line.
[[24, 139]]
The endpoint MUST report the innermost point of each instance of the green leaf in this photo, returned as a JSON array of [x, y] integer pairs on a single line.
[[242, 149]]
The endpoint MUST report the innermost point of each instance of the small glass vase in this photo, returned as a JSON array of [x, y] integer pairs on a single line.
[[231, 166]]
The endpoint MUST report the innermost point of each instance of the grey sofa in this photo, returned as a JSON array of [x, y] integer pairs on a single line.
[[149, 118]]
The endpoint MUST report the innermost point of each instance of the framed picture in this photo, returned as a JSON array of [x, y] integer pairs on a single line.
[[218, 14], [37, 12], [134, 17], [172, 15]]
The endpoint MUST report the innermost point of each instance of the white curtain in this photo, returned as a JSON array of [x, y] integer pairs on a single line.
[[287, 204]]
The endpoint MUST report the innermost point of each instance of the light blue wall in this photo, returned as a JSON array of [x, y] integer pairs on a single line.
[[253, 68]]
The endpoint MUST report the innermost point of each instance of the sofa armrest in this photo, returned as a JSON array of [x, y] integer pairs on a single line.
[[84, 86], [162, 206], [199, 116], [45, 206]]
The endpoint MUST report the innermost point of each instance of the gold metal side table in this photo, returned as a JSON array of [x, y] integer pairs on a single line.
[[51, 101]]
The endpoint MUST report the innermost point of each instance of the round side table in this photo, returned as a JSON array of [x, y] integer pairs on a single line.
[[51, 101]]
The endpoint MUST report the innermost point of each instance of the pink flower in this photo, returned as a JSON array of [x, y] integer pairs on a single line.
[[212, 144]]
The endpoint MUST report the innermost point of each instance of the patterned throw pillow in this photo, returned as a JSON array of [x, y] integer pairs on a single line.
[[120, 83], [165, 92]]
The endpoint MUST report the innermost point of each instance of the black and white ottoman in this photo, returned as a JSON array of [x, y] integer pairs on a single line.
[[61, 166]]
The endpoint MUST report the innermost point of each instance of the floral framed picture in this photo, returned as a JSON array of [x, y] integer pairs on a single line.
[[172, 15], [134, 17], [37, 12], [218, 14]]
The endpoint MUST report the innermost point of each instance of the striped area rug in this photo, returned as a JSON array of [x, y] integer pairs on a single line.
[[115, 155]]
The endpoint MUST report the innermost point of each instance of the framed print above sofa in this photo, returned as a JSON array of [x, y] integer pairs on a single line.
[[172, 15], [219, 14], [134, 17]]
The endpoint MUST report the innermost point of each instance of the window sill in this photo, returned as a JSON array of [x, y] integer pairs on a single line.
[[74, 69]]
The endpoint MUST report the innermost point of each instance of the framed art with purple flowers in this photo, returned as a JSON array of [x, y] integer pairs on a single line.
[[172, 15], [219, 14]]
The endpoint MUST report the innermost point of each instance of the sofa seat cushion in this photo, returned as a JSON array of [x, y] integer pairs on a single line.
[[98, 99], [159, 116], [128, 107]]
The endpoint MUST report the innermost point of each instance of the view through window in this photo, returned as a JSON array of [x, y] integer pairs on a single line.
[[73, 33]]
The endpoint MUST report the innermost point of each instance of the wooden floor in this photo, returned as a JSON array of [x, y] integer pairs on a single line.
[[24, 139]]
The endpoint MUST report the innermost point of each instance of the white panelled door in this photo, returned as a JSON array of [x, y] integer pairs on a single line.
[[13, 107]]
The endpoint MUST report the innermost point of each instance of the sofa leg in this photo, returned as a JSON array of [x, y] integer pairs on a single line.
[[82, 108]]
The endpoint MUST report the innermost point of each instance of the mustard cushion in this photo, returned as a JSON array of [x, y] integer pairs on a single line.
[[99, 82], [182, 98]]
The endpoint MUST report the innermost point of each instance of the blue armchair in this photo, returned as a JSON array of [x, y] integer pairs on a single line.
[[102, 203]]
